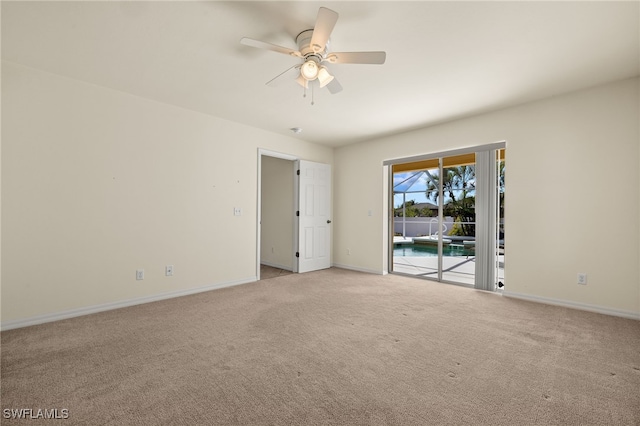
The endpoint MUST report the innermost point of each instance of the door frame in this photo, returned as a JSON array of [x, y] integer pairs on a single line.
[[388, 164], [268, 153]]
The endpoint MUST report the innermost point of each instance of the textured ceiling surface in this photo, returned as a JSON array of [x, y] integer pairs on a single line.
[[445, 60]]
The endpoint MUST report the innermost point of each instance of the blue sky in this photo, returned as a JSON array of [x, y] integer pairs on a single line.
[[419, 185]]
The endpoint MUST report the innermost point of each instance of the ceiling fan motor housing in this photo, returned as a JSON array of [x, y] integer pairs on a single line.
[[304, 46]]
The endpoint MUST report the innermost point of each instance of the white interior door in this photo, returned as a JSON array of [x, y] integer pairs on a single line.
[[314, 224]]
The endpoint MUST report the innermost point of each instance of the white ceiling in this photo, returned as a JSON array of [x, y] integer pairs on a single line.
[[445, 60]]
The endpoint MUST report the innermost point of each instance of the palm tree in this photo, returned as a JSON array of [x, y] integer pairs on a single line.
[[462, 180], [457, 180]]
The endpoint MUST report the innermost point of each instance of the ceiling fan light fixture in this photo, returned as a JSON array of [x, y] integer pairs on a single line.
[[309, 70], [313, 50], [324, 77], [302, 81]]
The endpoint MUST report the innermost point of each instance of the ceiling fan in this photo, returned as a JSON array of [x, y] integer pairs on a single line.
[[313, 51]]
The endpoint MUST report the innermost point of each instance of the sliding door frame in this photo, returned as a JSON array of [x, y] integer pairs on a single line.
[[425, 157]]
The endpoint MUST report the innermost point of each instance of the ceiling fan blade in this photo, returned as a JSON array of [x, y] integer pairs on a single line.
[[289, 73], [357, 57], [334, 86], [268, 46], [325, 22]]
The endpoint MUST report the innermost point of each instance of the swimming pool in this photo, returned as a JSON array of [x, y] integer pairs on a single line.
[[427, 250]]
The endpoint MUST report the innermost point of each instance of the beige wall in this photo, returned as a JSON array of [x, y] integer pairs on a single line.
[[276, 242], [570, 159], [97, 183]]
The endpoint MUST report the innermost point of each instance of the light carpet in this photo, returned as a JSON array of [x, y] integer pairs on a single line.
[[332, 347]]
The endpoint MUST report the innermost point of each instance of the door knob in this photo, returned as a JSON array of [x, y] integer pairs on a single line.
[[328, 221]]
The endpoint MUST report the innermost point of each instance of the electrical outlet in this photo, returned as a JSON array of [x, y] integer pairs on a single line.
[[237, 211], [139, 274], [582, 278], [168, 270]]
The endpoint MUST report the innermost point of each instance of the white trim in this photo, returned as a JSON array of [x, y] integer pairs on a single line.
[[575, 305], [355, 268], [450, 153], [276, 265], [57, 316], [277, 154]]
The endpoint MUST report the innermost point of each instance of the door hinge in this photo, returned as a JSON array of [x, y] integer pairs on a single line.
[[298, 172], [297, 254], [298, 213]]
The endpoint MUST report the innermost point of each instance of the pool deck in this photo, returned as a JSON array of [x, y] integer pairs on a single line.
[[459, 269]]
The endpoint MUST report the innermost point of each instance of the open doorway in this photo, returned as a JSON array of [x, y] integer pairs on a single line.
[[294, 215], [277, 207]]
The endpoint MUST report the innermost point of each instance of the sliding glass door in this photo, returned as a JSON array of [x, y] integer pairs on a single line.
[[416, 220], [448, 219], [458, 185]]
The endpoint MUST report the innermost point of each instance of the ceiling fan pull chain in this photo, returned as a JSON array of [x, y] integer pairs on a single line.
[[312, 93]]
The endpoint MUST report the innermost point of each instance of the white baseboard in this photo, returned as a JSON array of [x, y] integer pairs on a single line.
[[354, 268], [275, 265], [56, 316], [575, 305]]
